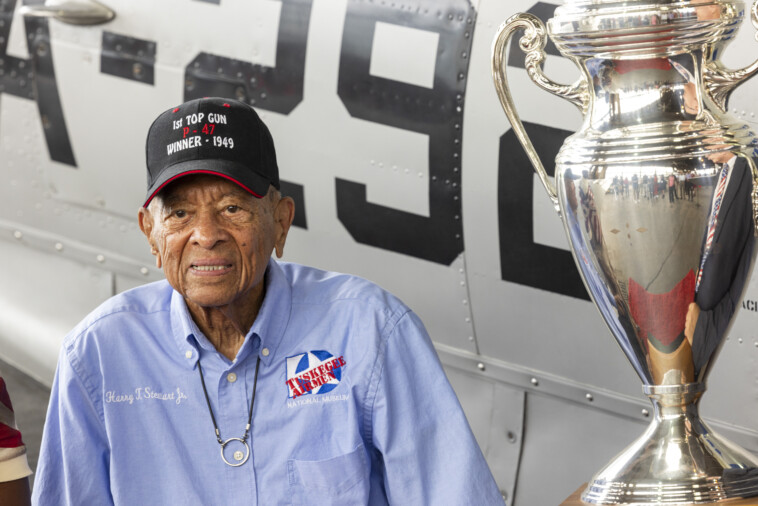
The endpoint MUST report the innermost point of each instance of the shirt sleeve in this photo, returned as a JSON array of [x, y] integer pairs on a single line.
[[13, 462], [73, 466], [428, 452]]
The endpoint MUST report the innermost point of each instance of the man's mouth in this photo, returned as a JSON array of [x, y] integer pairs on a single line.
[[210, 267]]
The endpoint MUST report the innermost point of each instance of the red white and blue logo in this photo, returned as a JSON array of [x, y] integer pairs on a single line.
[[315, 372]]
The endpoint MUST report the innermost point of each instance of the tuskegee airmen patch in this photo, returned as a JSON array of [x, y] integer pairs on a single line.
[[313, 373]]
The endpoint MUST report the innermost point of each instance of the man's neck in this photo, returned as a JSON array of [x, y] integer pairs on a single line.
[[226, 326]]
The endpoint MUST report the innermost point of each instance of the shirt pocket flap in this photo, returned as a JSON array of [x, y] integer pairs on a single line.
[[334, 475]]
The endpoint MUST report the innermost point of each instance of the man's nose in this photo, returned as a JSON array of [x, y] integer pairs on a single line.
[[208, 231]]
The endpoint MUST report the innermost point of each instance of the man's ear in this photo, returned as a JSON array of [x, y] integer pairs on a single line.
[[283, 216], [145, 219]]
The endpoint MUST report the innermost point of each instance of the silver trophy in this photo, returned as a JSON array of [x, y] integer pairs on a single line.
[[657, 192]]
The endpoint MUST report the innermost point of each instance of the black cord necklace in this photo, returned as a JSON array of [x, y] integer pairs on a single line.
[[238, 454]]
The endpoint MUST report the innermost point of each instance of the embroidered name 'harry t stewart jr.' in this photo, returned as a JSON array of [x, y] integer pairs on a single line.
[[314, 372]]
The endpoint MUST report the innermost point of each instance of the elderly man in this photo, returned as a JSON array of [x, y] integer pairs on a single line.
[[240, 379]]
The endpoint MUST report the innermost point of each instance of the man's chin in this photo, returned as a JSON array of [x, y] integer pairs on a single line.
[[208, 296], [208, 299]]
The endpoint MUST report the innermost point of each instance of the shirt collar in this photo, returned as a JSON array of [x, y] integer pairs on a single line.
[[274, 315], [269, 326]]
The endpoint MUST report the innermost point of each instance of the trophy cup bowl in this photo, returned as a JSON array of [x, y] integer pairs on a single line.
[[657, 194]]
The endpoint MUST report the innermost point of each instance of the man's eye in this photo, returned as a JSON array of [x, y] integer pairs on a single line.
[[180, 213], [232, 209]]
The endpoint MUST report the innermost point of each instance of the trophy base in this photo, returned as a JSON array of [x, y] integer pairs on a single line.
[[678, 460]]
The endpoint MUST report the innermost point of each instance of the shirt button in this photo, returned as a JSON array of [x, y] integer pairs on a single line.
[[265, 352], [188, 354], [238, 455], [231, 377]]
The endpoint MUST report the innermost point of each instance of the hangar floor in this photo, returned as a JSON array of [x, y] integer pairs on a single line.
[[29, 399]]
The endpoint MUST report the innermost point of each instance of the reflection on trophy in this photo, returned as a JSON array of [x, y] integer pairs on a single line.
[[657, 192]]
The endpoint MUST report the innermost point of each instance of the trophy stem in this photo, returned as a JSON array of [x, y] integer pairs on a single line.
[[678, 460]]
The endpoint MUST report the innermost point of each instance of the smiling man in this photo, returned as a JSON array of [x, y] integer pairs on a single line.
[[241, 379]]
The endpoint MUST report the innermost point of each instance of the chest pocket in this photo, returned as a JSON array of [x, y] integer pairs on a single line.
[[341, 480]]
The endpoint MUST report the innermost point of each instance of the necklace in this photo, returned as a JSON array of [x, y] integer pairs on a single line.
[[238, 456]]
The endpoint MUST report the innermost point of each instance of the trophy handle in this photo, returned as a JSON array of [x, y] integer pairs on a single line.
[[533, 44], [721, 82]]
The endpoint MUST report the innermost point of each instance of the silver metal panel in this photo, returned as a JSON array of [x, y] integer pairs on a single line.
[[564, 444], [42, 298], [31, 198], [591, 397], [496, 415], [737, 365]]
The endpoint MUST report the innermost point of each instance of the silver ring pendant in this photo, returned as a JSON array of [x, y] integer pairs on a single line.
[[247, 451]]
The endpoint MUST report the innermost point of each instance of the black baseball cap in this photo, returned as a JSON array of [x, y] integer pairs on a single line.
[[217, 136]]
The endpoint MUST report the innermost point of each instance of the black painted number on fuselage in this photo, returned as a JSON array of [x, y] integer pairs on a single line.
[[437, 112], [34, 78], [522, 260], [278, 89]]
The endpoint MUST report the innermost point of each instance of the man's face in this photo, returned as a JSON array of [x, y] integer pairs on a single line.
[[213, 239]]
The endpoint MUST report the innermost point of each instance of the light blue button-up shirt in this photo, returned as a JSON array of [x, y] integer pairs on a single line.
[[351, 405]]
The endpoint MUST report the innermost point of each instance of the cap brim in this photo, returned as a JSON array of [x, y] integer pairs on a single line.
[[235, 172]]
